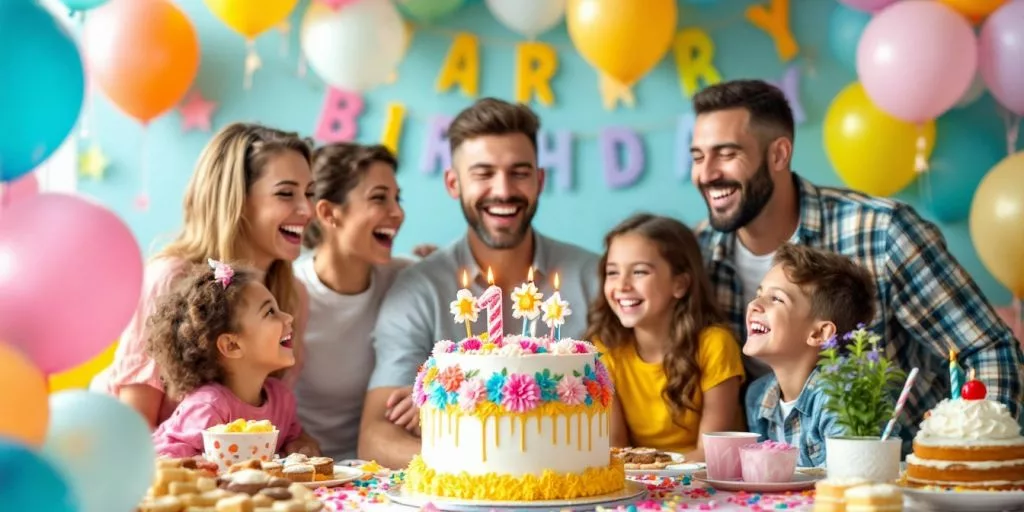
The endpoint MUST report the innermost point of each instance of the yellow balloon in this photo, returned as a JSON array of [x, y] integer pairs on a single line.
[[870, 150], [974, 10], [251, 18], [997, 222], [80, 376], [624, 39]]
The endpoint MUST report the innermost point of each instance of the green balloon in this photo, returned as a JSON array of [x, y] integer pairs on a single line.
[[429, 10]]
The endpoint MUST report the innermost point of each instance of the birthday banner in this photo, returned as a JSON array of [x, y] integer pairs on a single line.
[[536, 63]]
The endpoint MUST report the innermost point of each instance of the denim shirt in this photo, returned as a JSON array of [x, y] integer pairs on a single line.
[[807, 425]]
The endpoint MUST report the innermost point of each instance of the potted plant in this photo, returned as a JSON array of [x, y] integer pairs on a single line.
[[858, 382]]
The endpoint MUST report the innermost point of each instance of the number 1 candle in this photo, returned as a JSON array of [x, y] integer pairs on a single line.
[[491, 300]]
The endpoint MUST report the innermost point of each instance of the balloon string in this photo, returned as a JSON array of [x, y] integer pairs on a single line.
[[252, 63], [1012, 121], [921, 165], [142, 201]]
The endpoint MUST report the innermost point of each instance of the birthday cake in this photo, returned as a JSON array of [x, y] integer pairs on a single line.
[[971, 443]]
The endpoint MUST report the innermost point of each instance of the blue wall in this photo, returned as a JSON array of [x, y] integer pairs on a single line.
[[582, 215]]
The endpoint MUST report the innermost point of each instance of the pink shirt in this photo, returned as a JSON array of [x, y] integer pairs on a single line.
[[182, 434], [132, 364]]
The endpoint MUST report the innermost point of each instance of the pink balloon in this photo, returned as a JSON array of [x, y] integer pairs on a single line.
[[1001, 55], [916, 59], [21, 188], [867, 5], [70, 278]]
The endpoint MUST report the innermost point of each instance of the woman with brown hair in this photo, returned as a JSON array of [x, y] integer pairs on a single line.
[[358, 215], [248, 200]]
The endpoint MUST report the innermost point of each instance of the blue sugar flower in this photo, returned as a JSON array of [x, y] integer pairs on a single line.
[[588, 372], [494, 386], [438, 396], [548, 386]]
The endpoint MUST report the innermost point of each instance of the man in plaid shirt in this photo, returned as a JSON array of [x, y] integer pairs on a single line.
[[927, 303]]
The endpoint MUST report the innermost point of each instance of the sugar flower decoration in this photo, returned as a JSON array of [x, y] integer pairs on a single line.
[[526, 301], [520, 393], [555, 310], [464, 307]]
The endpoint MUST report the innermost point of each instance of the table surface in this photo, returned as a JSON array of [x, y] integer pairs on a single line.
[[663, 494]]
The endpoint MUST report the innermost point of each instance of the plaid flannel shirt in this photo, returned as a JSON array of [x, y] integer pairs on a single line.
[[926, 302]]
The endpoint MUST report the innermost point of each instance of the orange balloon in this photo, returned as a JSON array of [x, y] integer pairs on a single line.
[[974, 10], [144, 55], [24, 398]]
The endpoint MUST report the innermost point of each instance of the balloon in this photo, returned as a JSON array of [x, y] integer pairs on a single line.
[[871, 151], [963, 154], [81, 376], [251, 18], [974, 10], [42, 88], [70, 279], [916, 59], [25, 186], [23, 398], [429, 10], [997, 214], [530, 18], [868, 5], [354, 48], [974, 92], [624, 39], [102, 447], [83, 5], [845, 28], [1001, 54], [30, 482], [143, 54]]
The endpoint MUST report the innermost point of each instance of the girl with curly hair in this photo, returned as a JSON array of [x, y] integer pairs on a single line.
[[217, 339], [677, 369]]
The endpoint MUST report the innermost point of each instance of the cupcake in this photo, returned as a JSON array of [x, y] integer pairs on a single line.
[[323, 466], [830, 493], [768, 462], [299, 472], [272, 468]]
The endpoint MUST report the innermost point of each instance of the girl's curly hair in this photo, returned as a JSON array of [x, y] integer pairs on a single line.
[[186, 324]]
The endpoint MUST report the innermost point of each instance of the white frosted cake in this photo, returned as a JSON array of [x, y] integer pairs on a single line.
[[526, 419]]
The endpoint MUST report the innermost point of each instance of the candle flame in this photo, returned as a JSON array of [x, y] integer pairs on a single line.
[[952, 355], [490, 276], [529, 275], [557, 282], [465, 278]]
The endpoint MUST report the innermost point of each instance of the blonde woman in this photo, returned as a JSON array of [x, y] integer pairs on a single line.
[[248, 201]]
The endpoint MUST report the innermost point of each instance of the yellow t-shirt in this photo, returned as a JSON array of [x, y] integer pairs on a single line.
[[638, 386]]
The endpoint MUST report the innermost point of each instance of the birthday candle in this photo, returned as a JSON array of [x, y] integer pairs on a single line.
[[491, 300], [555, 311], [464, 306], [526, 302], [956, 376]]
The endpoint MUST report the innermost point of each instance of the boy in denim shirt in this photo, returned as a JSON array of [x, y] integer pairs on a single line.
[[808, 299]]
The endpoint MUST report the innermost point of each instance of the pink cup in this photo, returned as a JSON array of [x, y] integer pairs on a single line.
[[722, 453], [768, 462]]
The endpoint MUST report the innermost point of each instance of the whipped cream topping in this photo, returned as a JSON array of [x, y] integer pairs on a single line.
[[970, 421]]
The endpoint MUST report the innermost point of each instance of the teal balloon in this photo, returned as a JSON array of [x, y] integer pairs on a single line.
[[103, 447], [42, 86], [844, 30], [83, 5], [429, 10], [964, 152], [29, 482]]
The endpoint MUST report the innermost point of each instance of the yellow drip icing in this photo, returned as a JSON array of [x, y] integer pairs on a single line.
[[590, 432], [568, 440], [522, 432], [497, 432], [457, 421], [600, 425], [502, 487], [554, 430], [579, 432], [449, 415], [483, 439]]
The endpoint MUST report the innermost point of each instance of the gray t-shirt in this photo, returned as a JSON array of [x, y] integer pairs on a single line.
[[339, 357], [415, 313]]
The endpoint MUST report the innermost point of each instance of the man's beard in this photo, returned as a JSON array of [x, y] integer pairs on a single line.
[[753, 198], [504, 239]]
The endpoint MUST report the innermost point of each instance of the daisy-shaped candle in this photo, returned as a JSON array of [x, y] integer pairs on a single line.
[[555, 311], [526, 302], [464, 306]]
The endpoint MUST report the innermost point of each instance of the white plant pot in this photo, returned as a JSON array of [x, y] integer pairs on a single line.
[[864, 457]]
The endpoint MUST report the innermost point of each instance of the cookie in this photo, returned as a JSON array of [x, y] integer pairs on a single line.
[[237, 503], [276, 493], [248, 464], [289, 506], [279, 482], [262, 501], [179, 488], [646, 458], [323, 466], [162, 504]]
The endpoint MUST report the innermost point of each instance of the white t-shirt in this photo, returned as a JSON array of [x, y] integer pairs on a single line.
[[339, 357], [787, 407], [752, 269]]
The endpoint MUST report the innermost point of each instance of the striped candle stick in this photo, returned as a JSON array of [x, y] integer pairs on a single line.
[[900, 403], [491, 300]]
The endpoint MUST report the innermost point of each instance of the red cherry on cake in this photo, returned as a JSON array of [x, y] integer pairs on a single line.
[[973, 390]]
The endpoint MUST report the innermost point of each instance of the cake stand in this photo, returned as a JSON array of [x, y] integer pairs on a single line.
[[631, 492]]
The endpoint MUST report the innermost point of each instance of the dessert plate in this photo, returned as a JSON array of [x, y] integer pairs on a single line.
[[954, 501], [678, 467], [801, 481], [342, 474], [633, 491]]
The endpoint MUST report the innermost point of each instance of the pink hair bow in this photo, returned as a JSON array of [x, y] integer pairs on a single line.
[[221, 272]]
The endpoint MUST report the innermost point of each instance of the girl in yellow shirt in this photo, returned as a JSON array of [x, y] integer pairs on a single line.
[[677, 370]]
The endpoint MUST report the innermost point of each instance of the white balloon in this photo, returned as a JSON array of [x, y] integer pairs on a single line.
[[530, 18], [356, 47]]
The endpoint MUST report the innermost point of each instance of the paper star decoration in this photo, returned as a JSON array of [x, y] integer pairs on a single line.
[[196, 113], [92, 163]]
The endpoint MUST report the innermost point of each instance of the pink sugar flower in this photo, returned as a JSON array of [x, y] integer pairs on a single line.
[[528, 345], [580, 348], [520, 393], [571, 390], [471, 393], [419, 397], [470, 344]]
